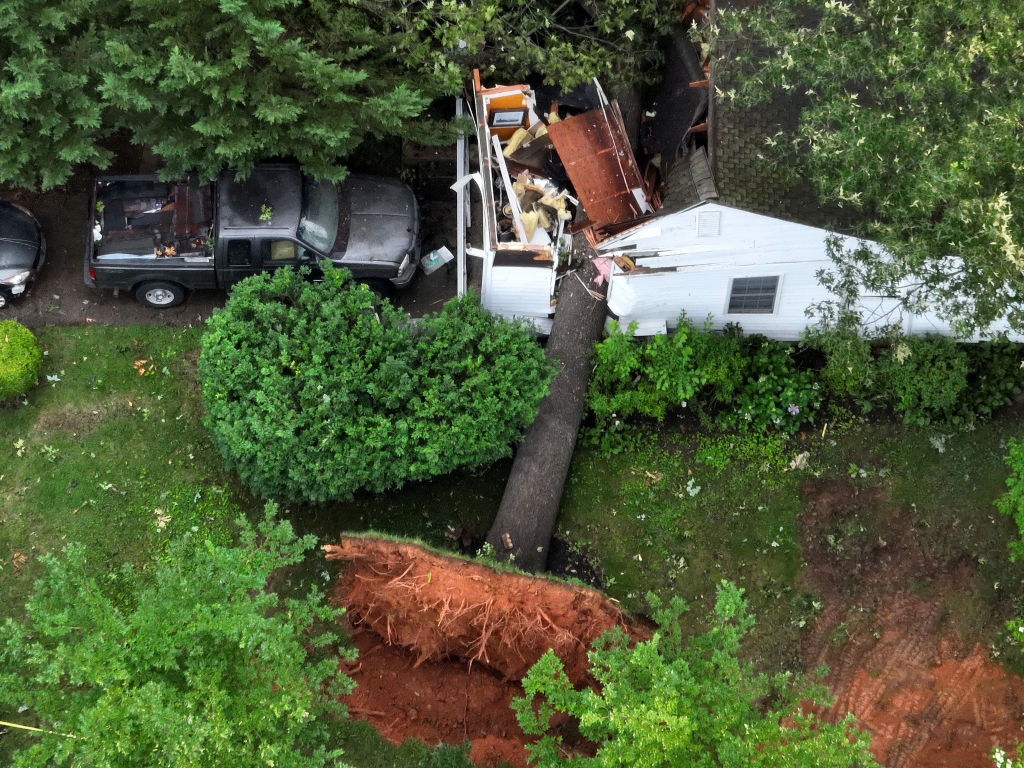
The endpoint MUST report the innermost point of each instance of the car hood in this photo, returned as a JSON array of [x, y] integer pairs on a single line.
[[379, 220], [19, 238]]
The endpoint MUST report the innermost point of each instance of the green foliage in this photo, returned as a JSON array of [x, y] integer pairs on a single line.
[[206, 84], [210, 85], [849, 370], [924, 377], [316, 390], [567, 43], [20, 359], [671, 702], [720, 359], [1012, 501], [749, 384], [910, 114], [994, 376], [755, 383], [50, 116], [773, 395], [645, 378], [200, 666], [765, 452]]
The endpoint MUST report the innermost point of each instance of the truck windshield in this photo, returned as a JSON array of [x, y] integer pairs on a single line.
[[318, 223]]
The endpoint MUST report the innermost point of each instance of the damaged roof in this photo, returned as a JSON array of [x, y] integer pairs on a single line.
[[599, 160]]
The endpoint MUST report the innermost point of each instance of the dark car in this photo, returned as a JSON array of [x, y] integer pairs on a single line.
[[22, 250]]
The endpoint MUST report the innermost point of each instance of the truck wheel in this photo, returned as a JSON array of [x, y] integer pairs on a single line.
[[160, 295], [382, 288]]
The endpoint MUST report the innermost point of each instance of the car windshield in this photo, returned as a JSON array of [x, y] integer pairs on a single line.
[[318, 223]]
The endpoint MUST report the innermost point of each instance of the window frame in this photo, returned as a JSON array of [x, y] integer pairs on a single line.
[[729, 297]]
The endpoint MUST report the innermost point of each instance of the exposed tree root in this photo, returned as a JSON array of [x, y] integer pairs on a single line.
[[442, 607]]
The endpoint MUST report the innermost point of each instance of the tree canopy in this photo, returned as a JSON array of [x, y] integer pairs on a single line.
[[668, 702], [911, 113], [187, 662], [210, 85]]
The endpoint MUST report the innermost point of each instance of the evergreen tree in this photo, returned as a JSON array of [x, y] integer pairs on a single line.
[[214, 84]]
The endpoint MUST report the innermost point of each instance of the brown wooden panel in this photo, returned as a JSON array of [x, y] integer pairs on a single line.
[[600, 163]]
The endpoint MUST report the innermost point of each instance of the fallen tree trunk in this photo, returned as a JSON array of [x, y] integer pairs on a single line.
[[529, 507]]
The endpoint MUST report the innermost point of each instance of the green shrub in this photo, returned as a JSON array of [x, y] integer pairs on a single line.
[[672, 701], [643, 378], [773, 395], [994, 376], [721, 360], [316, 390], [850, 370], [923, 378], [1012, 501], [20, 359]]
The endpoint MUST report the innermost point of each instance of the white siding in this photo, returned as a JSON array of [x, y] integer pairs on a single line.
[[696, 267], [519, 291]]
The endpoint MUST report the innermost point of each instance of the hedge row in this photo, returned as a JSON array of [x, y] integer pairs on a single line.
[[752, 382]]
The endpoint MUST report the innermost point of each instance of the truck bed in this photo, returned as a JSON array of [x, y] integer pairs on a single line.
[[141, 217]]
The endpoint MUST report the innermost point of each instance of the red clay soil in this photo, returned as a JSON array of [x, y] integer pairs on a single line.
[[443, 642], [896, 661], [439, 702]]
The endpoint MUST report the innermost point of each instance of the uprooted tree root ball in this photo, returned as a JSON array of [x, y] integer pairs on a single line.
[[442, 607]]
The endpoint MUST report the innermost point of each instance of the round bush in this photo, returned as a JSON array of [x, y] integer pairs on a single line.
[[773, 395], [20, 359], [923, 377], [316, 390]]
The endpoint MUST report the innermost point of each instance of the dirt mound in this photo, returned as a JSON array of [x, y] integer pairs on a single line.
[[447, 608], [895, 657]]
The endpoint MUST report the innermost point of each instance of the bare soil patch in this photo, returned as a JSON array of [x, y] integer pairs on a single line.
[[897, 663], [443, 642]]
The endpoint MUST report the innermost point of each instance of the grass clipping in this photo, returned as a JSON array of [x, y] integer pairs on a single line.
[[441, 607]]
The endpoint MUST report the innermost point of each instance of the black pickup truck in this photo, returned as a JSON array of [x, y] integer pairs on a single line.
[[161, 239]]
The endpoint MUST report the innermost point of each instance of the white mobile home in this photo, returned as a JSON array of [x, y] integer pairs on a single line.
[[700, 258], [736, 267]]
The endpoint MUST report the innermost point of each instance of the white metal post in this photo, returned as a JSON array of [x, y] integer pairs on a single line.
[[460, 207]]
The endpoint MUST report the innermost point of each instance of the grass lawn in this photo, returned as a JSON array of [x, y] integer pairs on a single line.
[[677, 512], [110, 450]]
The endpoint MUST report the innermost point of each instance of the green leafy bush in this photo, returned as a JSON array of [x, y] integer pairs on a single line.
[[20, 359], [773, 395], [198, 665], [316, 390], [1012, 501], [923, 378], [849, 370], [669, 702], [643, 378], [721, 361], [994, 376], [748, 384]]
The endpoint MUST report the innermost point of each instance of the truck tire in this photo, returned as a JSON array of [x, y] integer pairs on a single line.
[[160, 295], [383, 289]]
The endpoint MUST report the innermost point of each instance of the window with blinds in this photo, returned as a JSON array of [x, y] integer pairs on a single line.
[[753, 295]]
